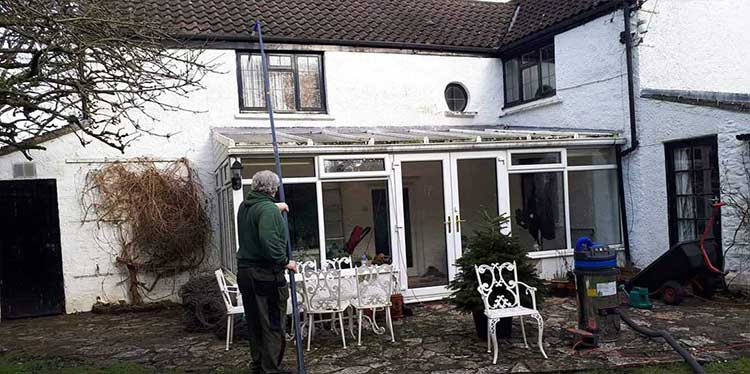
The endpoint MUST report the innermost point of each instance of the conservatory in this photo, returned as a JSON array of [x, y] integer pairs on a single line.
[[413, 196]]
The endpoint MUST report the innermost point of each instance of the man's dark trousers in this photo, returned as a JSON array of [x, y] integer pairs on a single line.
[[264, 296]]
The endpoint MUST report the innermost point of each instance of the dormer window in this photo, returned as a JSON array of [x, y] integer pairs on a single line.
[[530, 75], [296, 82]]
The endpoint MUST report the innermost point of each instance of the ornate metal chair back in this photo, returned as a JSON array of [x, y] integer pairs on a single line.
[[374, 285], [338, 263], [322, 288], [498, 285]]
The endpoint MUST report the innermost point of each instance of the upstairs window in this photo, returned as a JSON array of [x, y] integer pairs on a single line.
[[530, 75], [296, 82]]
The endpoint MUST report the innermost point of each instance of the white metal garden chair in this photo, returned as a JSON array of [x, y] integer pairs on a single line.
[[374, 290], [337, 263], [228, 287], [323, 295], [503, 299]]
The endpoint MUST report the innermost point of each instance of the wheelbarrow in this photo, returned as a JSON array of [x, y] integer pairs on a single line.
[[697, 264]]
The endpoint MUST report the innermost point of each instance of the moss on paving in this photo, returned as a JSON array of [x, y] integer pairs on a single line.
[[16, 365], [741, 366]]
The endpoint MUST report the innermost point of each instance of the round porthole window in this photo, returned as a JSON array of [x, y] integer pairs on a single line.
[[456, 97]]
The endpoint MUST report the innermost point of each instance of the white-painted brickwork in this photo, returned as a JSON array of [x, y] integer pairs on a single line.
[[694, 46], [699, 45]]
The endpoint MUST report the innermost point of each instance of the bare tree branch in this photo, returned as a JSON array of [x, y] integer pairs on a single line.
[[91, 65]]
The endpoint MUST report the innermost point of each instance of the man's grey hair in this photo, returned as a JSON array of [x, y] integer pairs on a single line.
[[265, 181]]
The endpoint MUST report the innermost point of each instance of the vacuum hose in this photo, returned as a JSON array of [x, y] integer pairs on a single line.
[[697, 368]]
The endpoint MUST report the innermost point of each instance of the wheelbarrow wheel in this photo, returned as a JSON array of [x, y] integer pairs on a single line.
[[672, 293]]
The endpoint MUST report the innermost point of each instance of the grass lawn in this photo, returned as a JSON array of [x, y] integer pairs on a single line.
[[741, 366], [12, 365]]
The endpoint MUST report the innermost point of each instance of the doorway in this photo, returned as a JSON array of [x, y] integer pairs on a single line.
[[31, 280], [441, 200], [693, 185]]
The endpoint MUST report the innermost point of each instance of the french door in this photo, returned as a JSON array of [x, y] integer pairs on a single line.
[[441, 199]]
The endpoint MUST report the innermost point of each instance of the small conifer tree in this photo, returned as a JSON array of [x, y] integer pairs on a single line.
[[490, 245]]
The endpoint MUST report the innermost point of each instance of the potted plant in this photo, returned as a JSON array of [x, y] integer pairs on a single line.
[[563, 284], [487, 245]]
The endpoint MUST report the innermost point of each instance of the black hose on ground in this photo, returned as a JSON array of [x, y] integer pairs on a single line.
[[697, 368]]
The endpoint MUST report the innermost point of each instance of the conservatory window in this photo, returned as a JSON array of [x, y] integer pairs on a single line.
[[537, 208], [594, 207], [535, 158], [303, 220], [559, 196], [337, 166], [290, 167], [357, 219]]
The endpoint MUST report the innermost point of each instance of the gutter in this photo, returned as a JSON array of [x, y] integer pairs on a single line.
[[633, 130], [247, 149]]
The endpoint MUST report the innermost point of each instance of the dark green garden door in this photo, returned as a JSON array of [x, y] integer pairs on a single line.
[[31, 281]]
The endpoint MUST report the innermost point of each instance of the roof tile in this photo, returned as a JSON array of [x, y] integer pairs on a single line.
[[450, 23]]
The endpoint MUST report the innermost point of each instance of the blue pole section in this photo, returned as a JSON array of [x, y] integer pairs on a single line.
[[282, 197]]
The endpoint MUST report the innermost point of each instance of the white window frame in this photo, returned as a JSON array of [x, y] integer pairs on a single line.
[[387, 165], [557, 166]]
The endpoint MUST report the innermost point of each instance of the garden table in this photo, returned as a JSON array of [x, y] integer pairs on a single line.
[[349, 292]]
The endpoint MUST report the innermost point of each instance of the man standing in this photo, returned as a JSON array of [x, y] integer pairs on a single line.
[[262, 260]]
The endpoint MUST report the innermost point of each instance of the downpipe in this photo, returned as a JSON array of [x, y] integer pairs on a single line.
[[627, 38]]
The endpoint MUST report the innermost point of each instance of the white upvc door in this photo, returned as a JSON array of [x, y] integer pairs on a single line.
[[440, 199], [479, 185], [424, 224]]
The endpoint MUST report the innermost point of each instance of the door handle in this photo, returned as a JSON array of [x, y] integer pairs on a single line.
[[458, 222], [448, 223]]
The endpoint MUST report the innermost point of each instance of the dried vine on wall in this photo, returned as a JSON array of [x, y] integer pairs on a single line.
[[158, 214]]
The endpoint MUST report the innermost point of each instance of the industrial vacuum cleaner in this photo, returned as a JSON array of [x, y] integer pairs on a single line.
[[599, 312]]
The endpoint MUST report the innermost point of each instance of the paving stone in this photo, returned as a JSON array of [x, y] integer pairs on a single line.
[[355, 370], [520, 367], [437, 339]]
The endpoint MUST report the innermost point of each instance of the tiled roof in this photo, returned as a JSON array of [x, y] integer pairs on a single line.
[[458, 23], [536, 15], [468, 24]]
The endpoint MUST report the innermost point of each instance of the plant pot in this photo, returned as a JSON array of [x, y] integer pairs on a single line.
[[502, 329], [559, 287], [571, 287], [397, 306]]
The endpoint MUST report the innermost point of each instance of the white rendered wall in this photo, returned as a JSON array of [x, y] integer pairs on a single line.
[[645, 176], [592, 93], [378, 89], [590, 78], [698, 45], [363, 89]]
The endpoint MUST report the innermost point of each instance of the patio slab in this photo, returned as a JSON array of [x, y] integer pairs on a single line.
[[437, 339]]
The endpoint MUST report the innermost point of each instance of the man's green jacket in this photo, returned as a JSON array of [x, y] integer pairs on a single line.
[[261, 233]]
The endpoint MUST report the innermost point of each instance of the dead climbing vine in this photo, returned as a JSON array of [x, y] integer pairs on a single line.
[[157, 213]]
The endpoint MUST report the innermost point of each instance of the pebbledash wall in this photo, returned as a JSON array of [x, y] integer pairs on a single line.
[[370, 87], [697, 45], [364, 88], [692, 45], [591, 91]]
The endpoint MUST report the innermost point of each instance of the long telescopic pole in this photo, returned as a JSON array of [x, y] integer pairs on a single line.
[[282, 197]]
